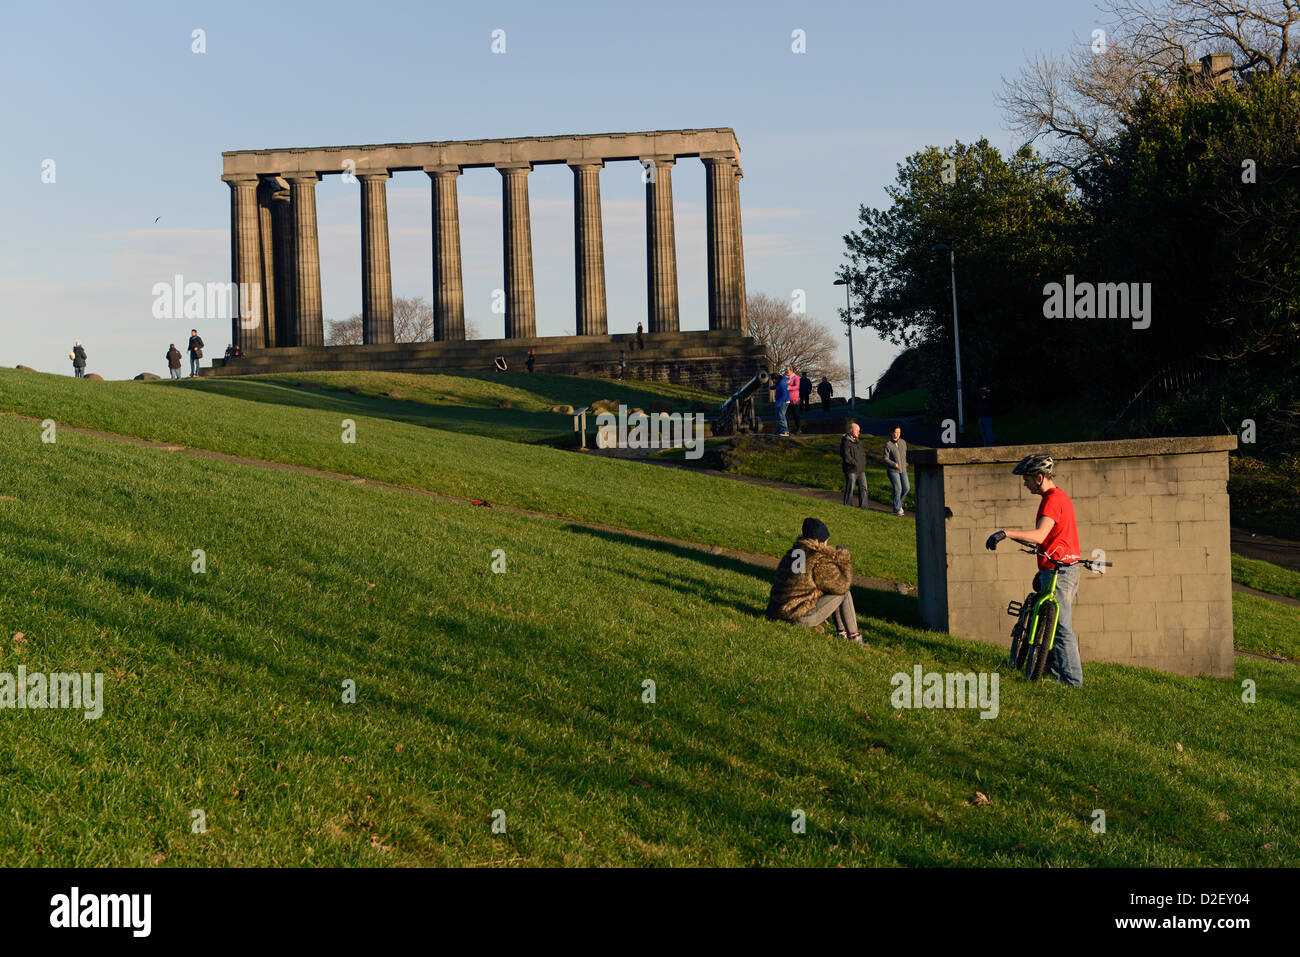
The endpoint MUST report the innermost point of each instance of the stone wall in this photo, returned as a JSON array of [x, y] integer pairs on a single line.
[[1157, 508], [717, 360]]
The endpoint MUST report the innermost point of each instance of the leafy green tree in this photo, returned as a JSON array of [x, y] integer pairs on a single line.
[[1015, 225]]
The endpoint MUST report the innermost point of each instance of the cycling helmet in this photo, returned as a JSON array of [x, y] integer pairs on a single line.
[[1040, 463]]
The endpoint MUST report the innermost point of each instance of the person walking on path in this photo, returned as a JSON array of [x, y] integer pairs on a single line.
[[782, 401], [896, 467], [1055, 536], [78, 357], [532, 359], [984, 409], [196, 351], [174, 361], [825, 390], [805, 392], [853, 458], [814, 582], [793, 411]]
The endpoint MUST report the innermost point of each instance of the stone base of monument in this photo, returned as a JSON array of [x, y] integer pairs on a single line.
[[717, 360]]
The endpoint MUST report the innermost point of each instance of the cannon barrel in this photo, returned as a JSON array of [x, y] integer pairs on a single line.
[[749, 388]]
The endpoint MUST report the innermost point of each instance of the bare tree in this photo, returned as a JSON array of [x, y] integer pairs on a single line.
[[1082, 99], [791, 338], [412, 322]]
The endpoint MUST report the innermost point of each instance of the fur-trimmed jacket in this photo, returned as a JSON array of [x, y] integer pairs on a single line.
[[823, 569]]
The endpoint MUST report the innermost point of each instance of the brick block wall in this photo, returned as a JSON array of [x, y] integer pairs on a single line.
[[1157, 508]]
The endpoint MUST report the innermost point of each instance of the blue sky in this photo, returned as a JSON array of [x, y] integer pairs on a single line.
[[136, 122]]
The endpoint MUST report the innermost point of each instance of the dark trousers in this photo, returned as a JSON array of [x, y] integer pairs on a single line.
[[860, 480], [792, 414], [826, 404]]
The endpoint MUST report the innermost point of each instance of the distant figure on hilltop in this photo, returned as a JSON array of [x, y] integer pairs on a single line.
[[174, 361], [825, 390], [640, 340], [984, 409], [805, 392], [196, 352], [532, 359], [793, 382], [622, 364], [78, 357]]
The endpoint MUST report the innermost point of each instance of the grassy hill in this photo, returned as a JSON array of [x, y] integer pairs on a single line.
[[522, 691]]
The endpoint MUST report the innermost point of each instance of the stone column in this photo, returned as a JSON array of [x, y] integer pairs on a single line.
[[661, 245], [723, 256], [517, 239], [282, 231], [448, 288], [266, 235], [376, 270], [309, 323], [740, 251], [589, 250], [245, 263]]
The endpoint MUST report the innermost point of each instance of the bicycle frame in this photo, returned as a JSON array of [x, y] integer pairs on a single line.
[[1031, 611]]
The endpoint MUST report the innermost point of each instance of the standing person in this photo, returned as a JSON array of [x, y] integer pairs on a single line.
[[622, 364], [805, 392], [984, 408], [174, 361], [853, 459], [825, 390], [640, 341], [782, 401], [1056, 535], [896, 467], [532, 359], [196, 351], [813, 582], [78, 357], [793, 410]]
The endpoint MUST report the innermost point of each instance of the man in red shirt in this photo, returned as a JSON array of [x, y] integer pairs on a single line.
[[1057, 536]]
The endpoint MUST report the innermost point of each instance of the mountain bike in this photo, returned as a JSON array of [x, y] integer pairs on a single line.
[[1034, 633]]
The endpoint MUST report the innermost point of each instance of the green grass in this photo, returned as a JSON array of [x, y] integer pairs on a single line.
[[667, 502], [522, 692], [1263, 494], [812, 461], [1266, 627], [1265, 576], [904, 403], [460, 403]]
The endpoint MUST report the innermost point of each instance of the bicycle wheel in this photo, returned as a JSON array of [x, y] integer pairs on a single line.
[[1020, 644], [1044, 634]]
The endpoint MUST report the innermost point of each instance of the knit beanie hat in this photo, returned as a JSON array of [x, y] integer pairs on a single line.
[[815, 529]]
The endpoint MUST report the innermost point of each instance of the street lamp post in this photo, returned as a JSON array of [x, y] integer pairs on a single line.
[[848, 322], [956, 335]]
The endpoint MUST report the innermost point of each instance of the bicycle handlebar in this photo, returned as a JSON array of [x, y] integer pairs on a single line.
[[1088, 563]]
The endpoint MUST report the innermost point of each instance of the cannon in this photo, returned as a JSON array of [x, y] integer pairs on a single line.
[[737, 413]]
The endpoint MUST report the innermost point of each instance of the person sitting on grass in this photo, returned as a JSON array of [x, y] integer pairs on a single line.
[[813, 582]]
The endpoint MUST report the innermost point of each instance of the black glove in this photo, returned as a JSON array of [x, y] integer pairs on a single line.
[[996, 537]]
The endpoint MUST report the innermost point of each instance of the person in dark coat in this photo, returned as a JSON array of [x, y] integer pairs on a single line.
[[984, 409], [805, 392], [196, 351], [78, 356], [532, 359], [825, 390], [174, 361], [853, 458], [640, 342]]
